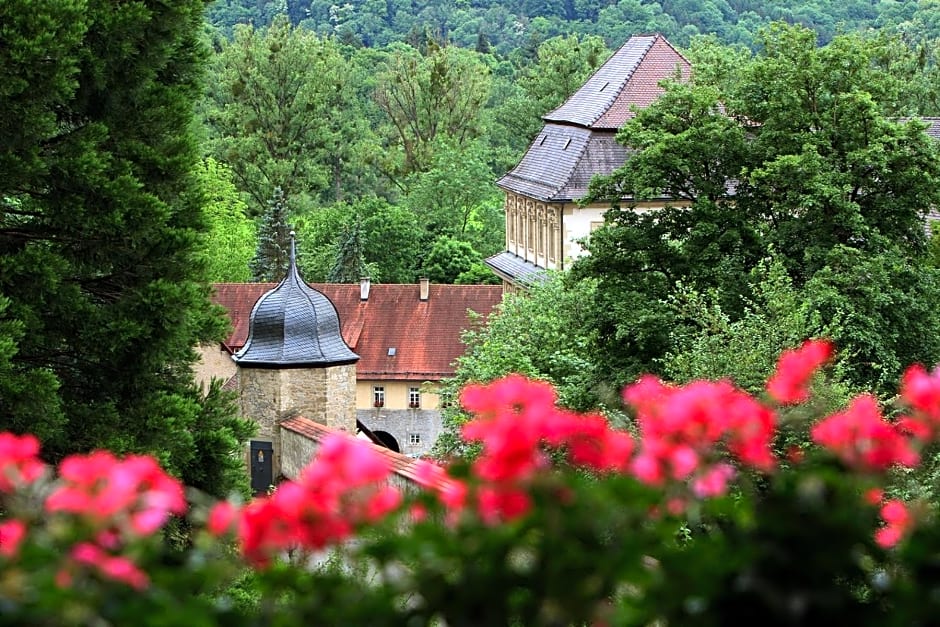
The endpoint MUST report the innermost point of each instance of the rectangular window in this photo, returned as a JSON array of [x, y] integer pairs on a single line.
[[414, 397], [378, 395], [414, 438]]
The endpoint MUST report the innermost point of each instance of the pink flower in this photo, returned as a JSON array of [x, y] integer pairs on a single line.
[[790, 382], [113, 567], [898, 522], [222, 518], [921, 391], [861, 438], [343, 487], [12, 532], [501, 504], [682, 427], [133, 493], [19, 461], [713, 482]]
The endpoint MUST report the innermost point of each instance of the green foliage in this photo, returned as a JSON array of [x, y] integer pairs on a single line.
[[456, 197], [518, 27], [273, 252], [448, 259], [100, 226], [429, 98], [230, 241], [283, 113], [791, 153], [350, 264], [541, 334]]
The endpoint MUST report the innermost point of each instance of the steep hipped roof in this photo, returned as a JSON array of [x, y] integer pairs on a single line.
[[630, 77], [294, 326], [561, 161], [577, 141], [424, 334]]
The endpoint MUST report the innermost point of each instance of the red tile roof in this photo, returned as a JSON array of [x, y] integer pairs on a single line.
[[424, 334], [402, 465]]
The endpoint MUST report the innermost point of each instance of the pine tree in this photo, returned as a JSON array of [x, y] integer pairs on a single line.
[[100, 218], [271, 257], [350, 263]]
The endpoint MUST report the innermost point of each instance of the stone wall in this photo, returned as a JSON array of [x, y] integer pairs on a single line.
[[296, 452], [402, 424], [214, 363], [324, 395]]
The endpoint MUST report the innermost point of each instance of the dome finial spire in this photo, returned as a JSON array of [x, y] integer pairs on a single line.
[[293, 249]]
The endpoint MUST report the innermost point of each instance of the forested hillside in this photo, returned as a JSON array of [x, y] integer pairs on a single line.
[[521, 25], [384, 123]]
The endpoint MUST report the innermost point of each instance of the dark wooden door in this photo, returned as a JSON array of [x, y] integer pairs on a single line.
[[262, 467]]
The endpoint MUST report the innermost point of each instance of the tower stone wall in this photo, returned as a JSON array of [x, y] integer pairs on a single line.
[[324, 395]]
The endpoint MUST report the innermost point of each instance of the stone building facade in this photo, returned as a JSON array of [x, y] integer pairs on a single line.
[[407, 338]]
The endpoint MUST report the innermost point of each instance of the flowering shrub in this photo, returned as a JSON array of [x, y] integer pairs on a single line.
[[695, 517]]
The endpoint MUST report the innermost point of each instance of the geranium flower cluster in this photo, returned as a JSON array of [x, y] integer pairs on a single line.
[[113, 501], [345, 486], [681, 428], [515, 419], [690, 441], [19, 461], [120, 500]]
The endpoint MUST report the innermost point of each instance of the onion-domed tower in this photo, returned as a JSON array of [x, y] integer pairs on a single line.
[[295, 362]]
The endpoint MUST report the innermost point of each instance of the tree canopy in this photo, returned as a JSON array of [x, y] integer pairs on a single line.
[[799, 153], [101, 279]]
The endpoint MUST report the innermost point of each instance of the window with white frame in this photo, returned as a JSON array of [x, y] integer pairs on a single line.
[[414, 438], [378, 395], [414, 397]]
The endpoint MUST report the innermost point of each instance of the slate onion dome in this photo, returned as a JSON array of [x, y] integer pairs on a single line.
[[294, 326]]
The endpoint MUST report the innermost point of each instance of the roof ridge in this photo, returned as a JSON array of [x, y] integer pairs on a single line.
[[614, 92], [628, 77]]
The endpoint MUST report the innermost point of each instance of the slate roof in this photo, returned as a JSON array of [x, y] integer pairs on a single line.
[[933, 131], [630, 77], [559, 164], [424, 334], [516, 269], [578, 139], [294, 326], [401, 465]]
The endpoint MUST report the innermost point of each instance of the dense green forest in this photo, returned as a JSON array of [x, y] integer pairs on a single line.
[[389, 122], [519, 26]]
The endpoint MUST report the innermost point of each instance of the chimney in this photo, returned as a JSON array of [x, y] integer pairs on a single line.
[[424, 287], [364, 285]]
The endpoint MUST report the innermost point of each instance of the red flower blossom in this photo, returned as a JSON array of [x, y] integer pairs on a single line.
[[222, 518], [19, 461], [790, 382], [344, 486], [502, 503], [898, 521], [681, 428], [12, 532], [114, 567], [134, 493], [861, 437], [921, 391]]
